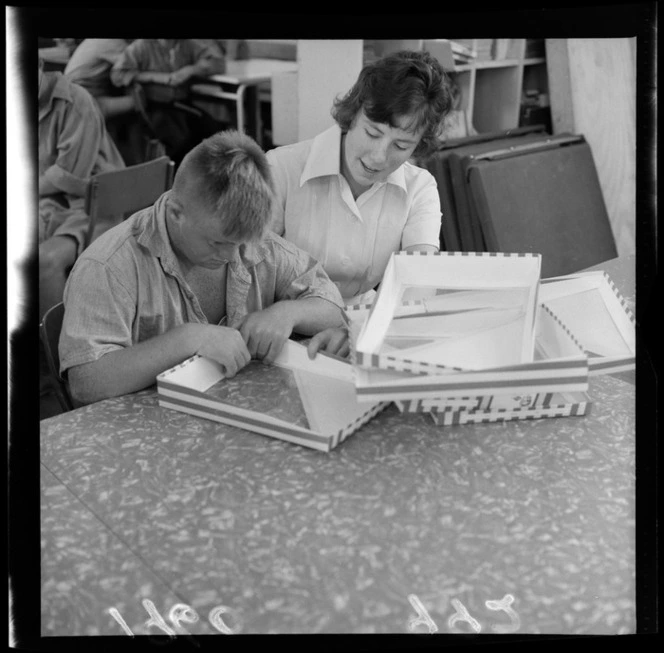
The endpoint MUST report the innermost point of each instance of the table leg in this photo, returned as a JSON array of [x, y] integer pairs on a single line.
[[257, 113], [240, 107]]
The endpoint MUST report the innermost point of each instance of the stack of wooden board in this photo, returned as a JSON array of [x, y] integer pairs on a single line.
[[438, 165], [525, 192]]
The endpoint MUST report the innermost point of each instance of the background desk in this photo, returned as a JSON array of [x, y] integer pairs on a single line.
[[240, 76], [55, 57], [141, 502]]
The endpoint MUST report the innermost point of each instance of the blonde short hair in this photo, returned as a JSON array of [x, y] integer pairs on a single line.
[[228, 175]]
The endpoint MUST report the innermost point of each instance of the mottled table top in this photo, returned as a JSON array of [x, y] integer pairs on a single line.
[[526, 526]]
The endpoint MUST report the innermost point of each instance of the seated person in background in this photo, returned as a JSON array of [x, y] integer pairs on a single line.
[[197, 273], [68, 44], [73, 146], [160, 71], [350, 197], [217, 45], [90, 67]]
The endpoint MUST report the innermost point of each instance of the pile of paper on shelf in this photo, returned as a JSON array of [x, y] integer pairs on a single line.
[[468, 49], [460, 53], [462, 50], [476, 337]]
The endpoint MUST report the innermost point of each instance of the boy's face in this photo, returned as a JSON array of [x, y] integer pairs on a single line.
[[198, 238], [372, 150]]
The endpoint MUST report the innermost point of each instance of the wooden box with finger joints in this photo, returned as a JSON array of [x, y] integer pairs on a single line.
[[308, 402], [580, 327]]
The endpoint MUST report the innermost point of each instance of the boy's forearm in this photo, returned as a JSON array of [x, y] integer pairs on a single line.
[[131, 369], [311, 314]]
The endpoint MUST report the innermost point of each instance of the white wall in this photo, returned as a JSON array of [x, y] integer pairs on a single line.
[[301, 102]]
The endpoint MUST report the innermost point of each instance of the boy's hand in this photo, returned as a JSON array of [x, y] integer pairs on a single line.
[[266, 331], [332, 341], [224, 345]]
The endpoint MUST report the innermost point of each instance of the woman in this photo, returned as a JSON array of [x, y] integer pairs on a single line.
[[350, 197]]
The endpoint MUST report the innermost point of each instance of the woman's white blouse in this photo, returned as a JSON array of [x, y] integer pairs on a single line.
[[352, 239]]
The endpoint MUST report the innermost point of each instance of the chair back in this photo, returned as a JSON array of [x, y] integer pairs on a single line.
[[49, 332], [115, 195]]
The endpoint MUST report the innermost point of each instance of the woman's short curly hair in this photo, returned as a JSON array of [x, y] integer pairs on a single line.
[[404, 83]]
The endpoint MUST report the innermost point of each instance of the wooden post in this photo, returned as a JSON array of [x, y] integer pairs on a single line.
[[592, 87]]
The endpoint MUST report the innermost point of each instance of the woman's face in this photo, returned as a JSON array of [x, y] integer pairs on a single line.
[[372, 151]]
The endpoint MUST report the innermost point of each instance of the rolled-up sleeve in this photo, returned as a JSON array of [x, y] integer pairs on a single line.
[[99, 313], [424, 217], [300, 276], [128, 65], [210, 54], [78, 146]]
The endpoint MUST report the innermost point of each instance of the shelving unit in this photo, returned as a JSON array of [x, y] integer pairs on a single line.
[[493, 89], [493, 84]]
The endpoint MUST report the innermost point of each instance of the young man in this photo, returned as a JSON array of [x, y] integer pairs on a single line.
[[73, 145], [197, 273], [90, 67], [160, 72]]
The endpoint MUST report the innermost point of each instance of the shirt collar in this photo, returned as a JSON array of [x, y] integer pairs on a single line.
[[324, 156], [54, 86], [325, 159], [154, 236], [398, 178]]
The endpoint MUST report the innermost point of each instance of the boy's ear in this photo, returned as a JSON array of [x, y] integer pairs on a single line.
[[177, 210]]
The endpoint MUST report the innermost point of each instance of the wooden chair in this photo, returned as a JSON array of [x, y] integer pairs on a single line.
[[49, 332], [115, 195]]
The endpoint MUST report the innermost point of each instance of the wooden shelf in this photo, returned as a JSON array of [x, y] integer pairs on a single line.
[[492, 89], [483, 64]]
